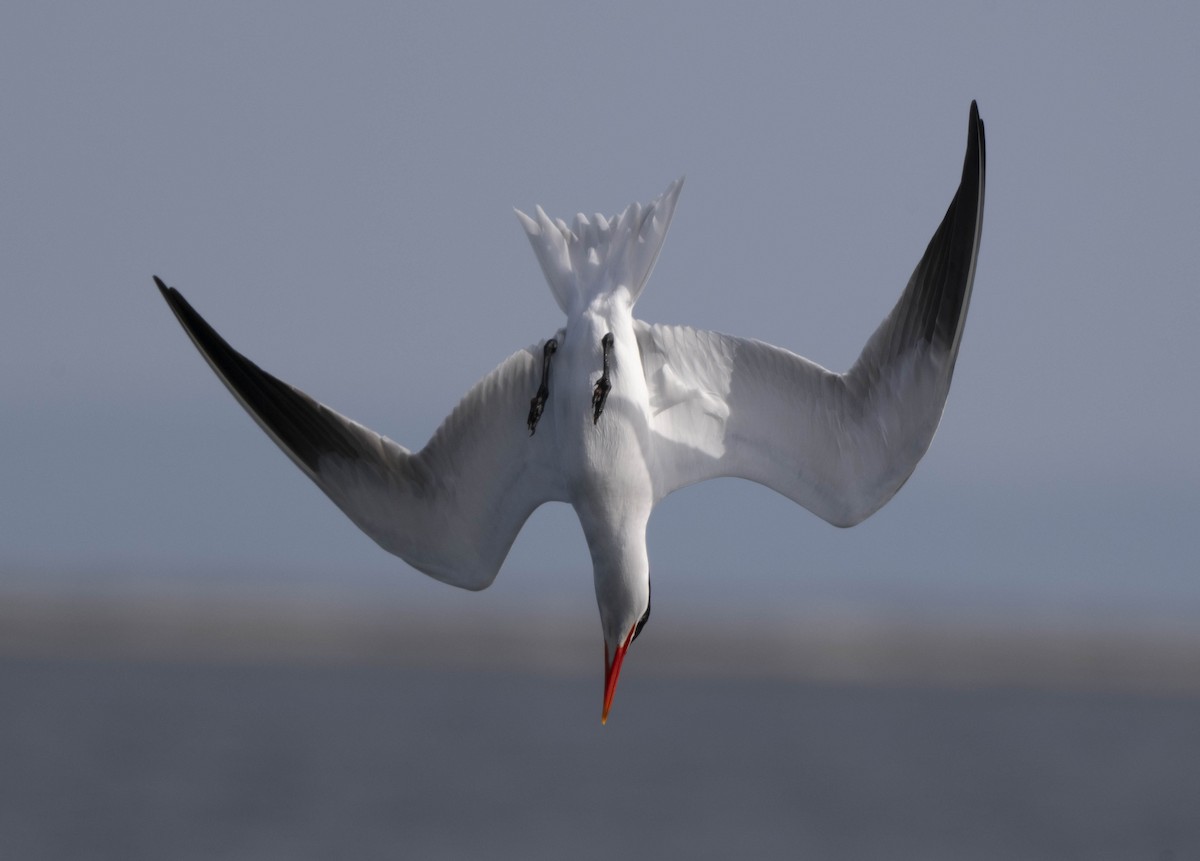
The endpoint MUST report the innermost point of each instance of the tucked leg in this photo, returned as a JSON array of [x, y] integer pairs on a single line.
[[539, 400], [603, 386]]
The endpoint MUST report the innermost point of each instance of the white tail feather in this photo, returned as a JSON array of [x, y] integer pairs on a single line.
[[592, 258]]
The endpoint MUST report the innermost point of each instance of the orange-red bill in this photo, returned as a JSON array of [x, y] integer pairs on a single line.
[[612, 670]]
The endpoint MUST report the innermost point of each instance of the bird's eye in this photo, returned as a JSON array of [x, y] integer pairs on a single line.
[[642, 621]]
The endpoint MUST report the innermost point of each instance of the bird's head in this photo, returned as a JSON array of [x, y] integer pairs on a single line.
[[623, 617]]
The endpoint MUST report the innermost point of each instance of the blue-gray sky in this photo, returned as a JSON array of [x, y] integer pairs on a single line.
[[332, 188]]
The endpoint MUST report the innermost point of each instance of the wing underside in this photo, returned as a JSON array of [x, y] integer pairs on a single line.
[[839, 444], [451, 510]]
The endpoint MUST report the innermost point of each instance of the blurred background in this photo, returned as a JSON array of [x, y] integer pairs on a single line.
[[200, 657]]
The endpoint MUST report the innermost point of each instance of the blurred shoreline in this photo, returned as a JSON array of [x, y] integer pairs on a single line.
[[946, 650]]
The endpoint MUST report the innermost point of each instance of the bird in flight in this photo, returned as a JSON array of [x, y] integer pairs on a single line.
[[612, 414]]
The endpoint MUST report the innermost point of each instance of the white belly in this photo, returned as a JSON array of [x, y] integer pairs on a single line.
[[604, 462]]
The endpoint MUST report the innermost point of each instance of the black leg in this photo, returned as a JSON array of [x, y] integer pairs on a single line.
[[603, 386], [539, 400]]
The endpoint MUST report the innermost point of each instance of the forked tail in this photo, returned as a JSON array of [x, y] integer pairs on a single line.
[[590, 258]]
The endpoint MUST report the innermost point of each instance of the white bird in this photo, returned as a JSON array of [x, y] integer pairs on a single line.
[[624, 412]]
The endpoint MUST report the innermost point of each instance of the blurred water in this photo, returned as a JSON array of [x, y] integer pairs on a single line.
[[113, 760]]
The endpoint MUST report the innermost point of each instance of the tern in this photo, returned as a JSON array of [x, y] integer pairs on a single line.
[[612, 414]]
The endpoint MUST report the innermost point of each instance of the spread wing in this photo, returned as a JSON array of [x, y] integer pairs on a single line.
[[839, 444], [452, 509]]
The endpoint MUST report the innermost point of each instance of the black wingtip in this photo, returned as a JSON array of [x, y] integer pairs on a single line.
[[304, 428], [974, 127], [175, 302], [975, 121], [163, 288], [975, 134]]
